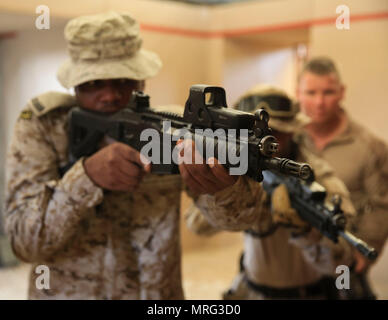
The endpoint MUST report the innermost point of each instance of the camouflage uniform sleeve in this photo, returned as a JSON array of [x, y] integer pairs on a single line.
[[235, 208], [197, 223], [42, 211], [372, 224], [322, 253]]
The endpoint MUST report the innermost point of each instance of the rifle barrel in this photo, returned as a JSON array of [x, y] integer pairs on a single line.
[[361, 246], [288, 167]]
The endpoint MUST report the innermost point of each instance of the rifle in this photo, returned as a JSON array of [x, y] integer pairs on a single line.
[[308, 199], [205, 113]]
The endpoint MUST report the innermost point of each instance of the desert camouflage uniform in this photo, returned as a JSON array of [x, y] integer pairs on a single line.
[[98, 244], [274, 257]]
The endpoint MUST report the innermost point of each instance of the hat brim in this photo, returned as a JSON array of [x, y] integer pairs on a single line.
[[141, 66], [297, 123]]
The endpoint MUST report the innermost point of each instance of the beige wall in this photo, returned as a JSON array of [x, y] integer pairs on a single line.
[[250, 63], [186, 61], [28, 63], [361, 54]]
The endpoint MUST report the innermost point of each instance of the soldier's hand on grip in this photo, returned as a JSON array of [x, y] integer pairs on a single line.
[[117, 167], [200, 177]]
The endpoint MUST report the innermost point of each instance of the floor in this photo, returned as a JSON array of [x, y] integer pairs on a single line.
[[207, 271]]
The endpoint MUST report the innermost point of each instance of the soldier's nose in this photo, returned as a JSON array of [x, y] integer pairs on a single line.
[[319, 99], [110, 94]]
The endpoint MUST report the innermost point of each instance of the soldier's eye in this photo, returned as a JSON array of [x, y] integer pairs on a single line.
[[120, 82], [126, 84], [98, 83], [329, 92], [92, 85]]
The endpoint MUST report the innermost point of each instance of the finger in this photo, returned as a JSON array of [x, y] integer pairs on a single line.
[[187, 152], [204, 177], [193, 185], [132, 155], [147, 165], [199, 170], [123, 181], [130, 170], [189, 180], [360, 262], [220, 172], [360, 267]]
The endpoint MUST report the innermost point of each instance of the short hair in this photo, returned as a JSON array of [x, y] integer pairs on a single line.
[[320, 66]]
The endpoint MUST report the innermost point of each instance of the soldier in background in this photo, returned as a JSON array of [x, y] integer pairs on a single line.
[[107, 228], [358, 157], [283, 258]]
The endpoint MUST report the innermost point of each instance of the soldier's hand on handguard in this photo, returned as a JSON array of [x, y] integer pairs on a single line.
[[202, 177], [117, 167], [361, 263], [283, 213]]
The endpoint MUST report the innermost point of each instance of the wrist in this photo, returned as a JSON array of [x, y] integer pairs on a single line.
[[87, 163]]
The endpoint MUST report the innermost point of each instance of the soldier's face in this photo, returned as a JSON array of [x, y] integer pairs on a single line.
[[320, 96], [107, 95]]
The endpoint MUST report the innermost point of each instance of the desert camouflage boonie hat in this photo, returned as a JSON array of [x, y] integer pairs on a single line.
[[105, 46], [284, 115]]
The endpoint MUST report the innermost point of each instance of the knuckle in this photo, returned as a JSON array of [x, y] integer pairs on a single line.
[[135, 171], [133, 154], [111, 159], [130, 153], [113, 175], [116, 147]]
